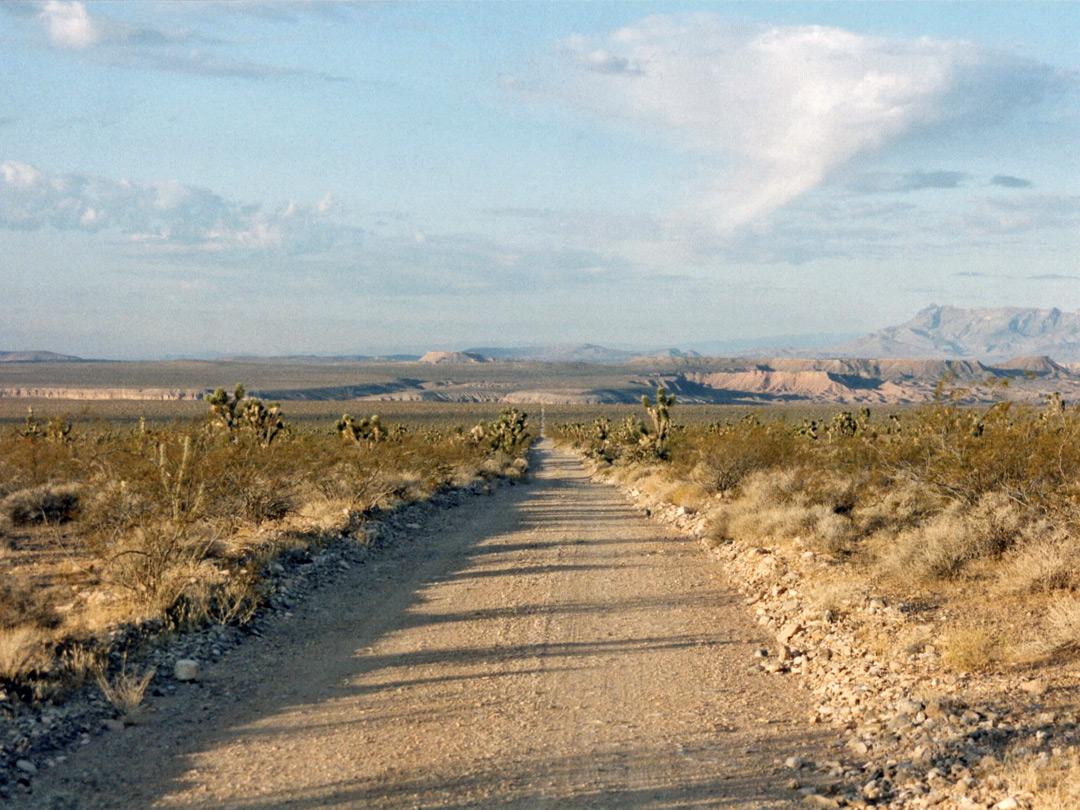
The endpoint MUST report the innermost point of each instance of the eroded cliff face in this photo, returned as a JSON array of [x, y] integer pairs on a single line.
[[97, 394]]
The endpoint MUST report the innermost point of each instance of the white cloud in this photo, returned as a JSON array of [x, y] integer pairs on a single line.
[[168, 216], [69, 25], [19, 175], [780, 108]]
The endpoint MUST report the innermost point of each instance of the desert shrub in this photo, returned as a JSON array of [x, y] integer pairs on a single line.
[[43, 504], [1031, 456], [895, 506], [1045, 560], [21, 603], [942, 547], [720, 458], [1063, 624]]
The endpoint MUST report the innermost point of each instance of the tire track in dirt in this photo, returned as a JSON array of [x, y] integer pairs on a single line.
[[545, 647]]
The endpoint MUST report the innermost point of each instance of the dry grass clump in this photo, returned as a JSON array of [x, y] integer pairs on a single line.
[[1044, 561], [689, 496], [790, 505], [837, 595], [126, 690], [23, 650], [1051, 781], [973, 649]]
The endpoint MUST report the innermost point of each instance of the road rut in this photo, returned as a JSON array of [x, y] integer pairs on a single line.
[[545, 647]]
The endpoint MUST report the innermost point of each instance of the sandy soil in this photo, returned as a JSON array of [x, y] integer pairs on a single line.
[[544, 647]]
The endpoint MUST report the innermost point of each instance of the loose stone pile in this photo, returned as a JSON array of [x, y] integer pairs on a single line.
[[912, 735], [37, 735]]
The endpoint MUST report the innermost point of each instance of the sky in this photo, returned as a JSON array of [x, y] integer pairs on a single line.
[[196, 179]]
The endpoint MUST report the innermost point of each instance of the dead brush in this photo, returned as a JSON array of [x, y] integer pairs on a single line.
[[944, 546], [227, 597]]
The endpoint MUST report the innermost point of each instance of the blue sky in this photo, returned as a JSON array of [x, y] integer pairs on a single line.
[[193, 178]]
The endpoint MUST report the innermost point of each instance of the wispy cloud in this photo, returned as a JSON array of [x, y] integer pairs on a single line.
[[166, 216], [1014, 215], [1008, 181], [880, 182], [781, 108], [1054, 277], [438, 264], [70, 26]]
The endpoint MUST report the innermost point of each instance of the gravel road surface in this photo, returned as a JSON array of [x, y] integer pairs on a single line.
[[544, 647]]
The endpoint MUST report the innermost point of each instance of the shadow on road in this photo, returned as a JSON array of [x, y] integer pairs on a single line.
[[425, 683]]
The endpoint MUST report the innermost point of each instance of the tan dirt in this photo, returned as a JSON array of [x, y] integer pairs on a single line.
[[547, 647]]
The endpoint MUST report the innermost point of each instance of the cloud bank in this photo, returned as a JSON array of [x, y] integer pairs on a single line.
[[781, 108], [168, 215]]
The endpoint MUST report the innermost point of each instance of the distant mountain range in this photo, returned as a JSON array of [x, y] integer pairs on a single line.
[[975, 334], [938, 332]]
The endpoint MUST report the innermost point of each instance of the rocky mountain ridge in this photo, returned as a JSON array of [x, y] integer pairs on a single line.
[[984, 334]]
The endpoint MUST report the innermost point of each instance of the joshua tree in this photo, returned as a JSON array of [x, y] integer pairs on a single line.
[[660, 413], [237, 411], [369, 429], [508, 434]]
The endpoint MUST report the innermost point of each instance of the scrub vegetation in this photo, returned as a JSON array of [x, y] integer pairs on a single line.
[[968, 515], [178, 524]]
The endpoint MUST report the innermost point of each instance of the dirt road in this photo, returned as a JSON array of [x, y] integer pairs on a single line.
[[545, 647]]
